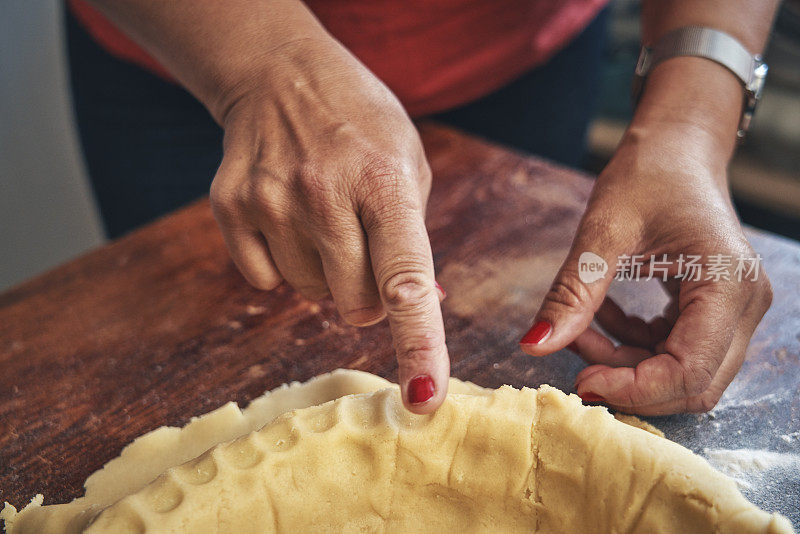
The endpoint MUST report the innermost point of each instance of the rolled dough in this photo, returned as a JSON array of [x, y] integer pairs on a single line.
[[153, 453], [487, 461]]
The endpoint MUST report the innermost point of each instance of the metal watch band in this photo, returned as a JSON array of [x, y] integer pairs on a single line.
[[711, 44]]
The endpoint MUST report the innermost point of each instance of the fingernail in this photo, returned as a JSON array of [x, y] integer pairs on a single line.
[[420, 389], [440, 288], [573, 347], [591, 397], [538, 333]]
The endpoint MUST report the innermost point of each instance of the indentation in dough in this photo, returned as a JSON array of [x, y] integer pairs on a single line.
[[242, 453], [121, 520], [400, 418], [163, 495], [320, 420], [360, 415], [280, 436], [199, 471]]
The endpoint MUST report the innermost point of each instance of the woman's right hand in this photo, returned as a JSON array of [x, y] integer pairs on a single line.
[[324, 183]]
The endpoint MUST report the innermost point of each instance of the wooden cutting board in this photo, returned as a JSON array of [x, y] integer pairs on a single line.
[[158, 326]]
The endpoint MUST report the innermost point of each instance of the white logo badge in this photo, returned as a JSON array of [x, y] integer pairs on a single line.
[[591, 267]]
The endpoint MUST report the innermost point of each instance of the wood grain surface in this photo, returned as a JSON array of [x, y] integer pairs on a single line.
[[158, 326]]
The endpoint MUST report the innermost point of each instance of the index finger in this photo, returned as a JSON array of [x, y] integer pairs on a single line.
[[402, 261]]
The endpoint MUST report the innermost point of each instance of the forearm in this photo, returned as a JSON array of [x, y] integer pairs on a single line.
[[212, 46], [695, 94]]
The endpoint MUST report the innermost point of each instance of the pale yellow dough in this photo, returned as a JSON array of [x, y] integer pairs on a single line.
[[153, 453], [488, 461]]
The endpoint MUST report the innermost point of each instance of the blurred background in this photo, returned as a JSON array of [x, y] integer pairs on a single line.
[[47, 213]]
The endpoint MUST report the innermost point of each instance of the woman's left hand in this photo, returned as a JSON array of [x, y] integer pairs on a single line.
[[664, 192]]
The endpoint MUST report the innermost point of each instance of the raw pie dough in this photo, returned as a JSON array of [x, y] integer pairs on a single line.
[[501, 460]]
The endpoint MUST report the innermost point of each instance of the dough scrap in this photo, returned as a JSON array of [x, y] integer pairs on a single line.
[[488, 461], [638, 423]]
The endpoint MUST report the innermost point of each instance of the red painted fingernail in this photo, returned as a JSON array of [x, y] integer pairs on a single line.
[[537, 333], [440, 288], [573, 347], [591, 397], [420, 389]]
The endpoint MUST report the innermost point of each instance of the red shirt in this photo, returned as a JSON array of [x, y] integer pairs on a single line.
[[433, 54]]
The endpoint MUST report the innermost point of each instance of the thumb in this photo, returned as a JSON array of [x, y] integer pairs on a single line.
[[578, 289]]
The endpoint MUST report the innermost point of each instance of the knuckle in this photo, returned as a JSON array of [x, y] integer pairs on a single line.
[[764, 293], [262, 193], [267, 200], [650, 386], [567, 293], [419, 349], [425, 174], [706, 402], [388, 191], [610, 226], [406, 291], [386, 209], [223, 200], [697, 377], [376, 165]]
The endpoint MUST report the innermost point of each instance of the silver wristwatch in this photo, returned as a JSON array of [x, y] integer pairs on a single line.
[[714, 45]]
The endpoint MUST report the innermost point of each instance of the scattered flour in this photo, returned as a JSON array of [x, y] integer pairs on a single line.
[[792, 436], [732, 401], [749, 467]]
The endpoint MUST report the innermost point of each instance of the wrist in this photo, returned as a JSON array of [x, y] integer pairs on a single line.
[[670, 151], [696, 99], [276, 73]]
